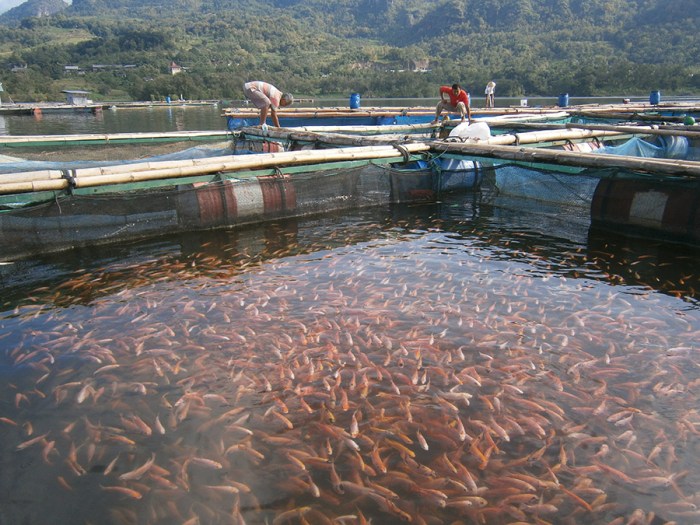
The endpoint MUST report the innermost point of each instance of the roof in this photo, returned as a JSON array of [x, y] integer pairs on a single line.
[[75, 92]]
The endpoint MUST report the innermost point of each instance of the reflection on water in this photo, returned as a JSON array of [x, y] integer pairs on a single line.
[[154, 119], [431, 364]]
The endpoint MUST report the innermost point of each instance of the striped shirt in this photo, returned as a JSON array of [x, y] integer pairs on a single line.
[[273, 95]]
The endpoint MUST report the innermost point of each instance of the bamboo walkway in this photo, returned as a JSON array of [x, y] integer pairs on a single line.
[[358, 143], [623, 111]]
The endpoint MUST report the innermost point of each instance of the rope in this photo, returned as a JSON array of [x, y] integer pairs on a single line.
[[436, 168], [402, 149]]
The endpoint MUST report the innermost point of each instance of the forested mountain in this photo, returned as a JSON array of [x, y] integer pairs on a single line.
[[124, 48], [35, 8]]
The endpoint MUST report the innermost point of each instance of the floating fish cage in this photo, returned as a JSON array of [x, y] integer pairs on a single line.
[[77, 207], [616, 199], [54, 206]]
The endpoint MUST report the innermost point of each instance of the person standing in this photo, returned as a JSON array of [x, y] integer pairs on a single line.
[[266, 97], [457, 101], [490, 94]]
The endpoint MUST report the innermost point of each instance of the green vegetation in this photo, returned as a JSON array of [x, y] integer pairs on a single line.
[[334, 47]]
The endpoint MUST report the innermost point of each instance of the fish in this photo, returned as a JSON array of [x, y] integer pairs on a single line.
[[137, 473], [33, 441], [124, 491], [356, 386]]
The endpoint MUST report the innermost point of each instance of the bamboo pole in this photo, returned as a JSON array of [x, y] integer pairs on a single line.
[[336, 139], [174, 164], [244, 113], [235, 160], [300, 134], [643, 130], [391, 128], [559, 134], [158, 171], [683, 131], [499, 140], [532, 137], [517, 138], [111, 137], [592, 109], [543, 155], [632, 108], [691, 132], [8, 188], [29, 176], [252, 162]]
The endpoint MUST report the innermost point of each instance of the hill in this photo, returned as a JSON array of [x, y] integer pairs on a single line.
[[123, 48], [33, 9]]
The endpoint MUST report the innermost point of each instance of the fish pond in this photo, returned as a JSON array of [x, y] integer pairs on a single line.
[[440, 364]]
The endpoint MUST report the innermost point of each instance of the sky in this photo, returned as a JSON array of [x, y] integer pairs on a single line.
[[6, 5]]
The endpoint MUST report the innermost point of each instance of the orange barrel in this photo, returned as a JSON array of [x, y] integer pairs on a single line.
[[258, 146], [206, 204], [278, 193], [668, 207], [228, 202]]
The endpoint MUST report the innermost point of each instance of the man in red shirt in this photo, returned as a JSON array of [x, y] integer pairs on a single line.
[[458, 102]]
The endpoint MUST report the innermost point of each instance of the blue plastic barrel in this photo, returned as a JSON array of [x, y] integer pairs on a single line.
[[355, 101], [167, 99], [655, 98], [563, 100]]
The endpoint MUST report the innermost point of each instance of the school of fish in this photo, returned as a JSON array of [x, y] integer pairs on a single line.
[[418, 375]]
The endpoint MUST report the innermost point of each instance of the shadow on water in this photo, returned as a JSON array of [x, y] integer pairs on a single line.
[[565, 240]]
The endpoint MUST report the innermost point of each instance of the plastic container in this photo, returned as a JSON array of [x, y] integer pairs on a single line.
[[355, 101], [563, 100], [655, 98]]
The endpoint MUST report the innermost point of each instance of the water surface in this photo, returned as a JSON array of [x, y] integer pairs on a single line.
[[430, 364], [178, 117]]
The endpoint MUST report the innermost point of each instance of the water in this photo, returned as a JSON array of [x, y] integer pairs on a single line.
[[204, 118], [155, 119], [433, 364]]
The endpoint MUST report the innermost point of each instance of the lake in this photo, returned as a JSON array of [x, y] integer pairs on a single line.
[[200, 118]]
